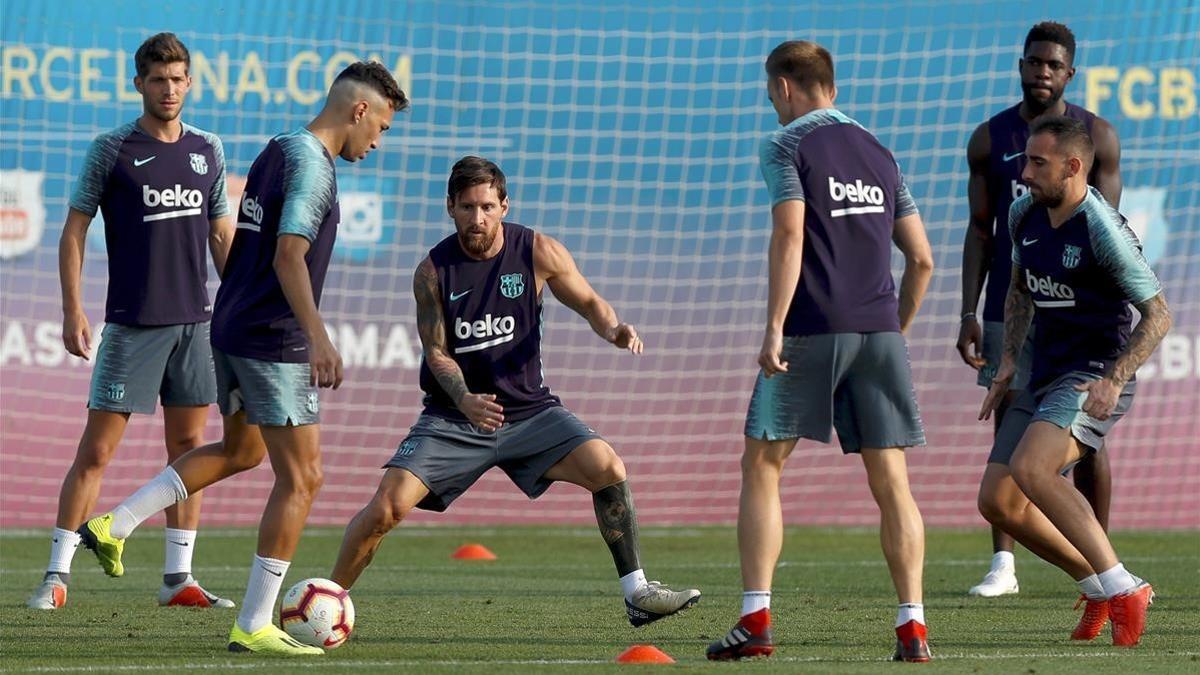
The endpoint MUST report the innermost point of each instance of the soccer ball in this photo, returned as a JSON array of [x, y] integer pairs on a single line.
[[317, 612]]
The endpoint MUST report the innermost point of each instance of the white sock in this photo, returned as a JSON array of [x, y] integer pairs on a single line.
[[753, 601], [179, 546], [1092, 588], [258, 606], [162, 491], [631, 582], [1003, 560], [1117, 581], [910, 611], [62, 549]]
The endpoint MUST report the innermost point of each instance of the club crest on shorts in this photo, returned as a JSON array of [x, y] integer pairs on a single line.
[[199, 163], [116, 391], [313, 403], [1071, 256], [512, 285], [407, 447]]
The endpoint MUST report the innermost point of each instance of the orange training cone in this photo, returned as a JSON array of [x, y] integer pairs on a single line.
[[644, 654], [473, 552]]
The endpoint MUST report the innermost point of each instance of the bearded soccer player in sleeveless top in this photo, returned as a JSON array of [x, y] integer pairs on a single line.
[[479, 307], [834, 352], [270, 346], [996, 156], [160, 184], [1076, 270]]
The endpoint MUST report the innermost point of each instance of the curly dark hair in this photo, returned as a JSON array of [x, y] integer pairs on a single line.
[[1052, 31]]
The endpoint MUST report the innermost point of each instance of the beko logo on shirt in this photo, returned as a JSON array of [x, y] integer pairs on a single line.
[[252, 209], [1018, 189], [172, 196], [499, 328], [855, 193], [1064, 295]]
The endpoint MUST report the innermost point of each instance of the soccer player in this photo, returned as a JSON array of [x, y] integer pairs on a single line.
[[270, 345], [479, 309], [996, 156], [1076, 268], [161, 187], [833, 353]]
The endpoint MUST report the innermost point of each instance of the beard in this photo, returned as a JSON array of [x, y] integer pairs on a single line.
[[1032, 99], [477, 244], [1052, 195], [162, 114]]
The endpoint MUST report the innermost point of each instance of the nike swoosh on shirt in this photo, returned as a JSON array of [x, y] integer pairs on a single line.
[[454, 296], [139, 162], [1009, 158], [1027, 242]]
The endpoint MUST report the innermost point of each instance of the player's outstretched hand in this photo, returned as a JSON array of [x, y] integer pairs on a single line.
[[625, 336], [1102, 397], [970, 340], [325, 362], [77, 335], [998, 390], [482, 410], [770, 357]]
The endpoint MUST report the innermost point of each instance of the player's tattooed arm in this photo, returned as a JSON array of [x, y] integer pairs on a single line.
[[1018, 314], [431, 326], [481, 409], [1156, 321]]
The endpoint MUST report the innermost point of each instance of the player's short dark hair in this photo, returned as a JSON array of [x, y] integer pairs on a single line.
[[1052, 31], [1071, 136], [376, 76], [808, 64], [160, 48], [471, 171]]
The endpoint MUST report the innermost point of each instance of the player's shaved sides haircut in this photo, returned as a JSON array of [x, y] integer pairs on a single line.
[[374, 76], [1052, 31], [1070, 136], [808, 64], [160, 48], [471, 171]]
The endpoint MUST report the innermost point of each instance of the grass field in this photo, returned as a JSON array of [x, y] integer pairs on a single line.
[[551, 603]]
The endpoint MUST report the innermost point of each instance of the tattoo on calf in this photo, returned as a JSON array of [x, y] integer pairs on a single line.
[[618, 525]]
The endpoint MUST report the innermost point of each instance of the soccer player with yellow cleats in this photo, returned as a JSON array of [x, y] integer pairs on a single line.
[[96, 535], [268, 640]]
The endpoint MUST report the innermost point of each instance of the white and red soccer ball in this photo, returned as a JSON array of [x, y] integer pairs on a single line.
[[317, 612]]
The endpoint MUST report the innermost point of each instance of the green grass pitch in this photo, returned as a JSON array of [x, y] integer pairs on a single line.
[[551, 603]]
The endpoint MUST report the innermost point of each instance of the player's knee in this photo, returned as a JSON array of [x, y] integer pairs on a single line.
[[180, 444], [94, 456], [991, 508], [1025, 473], [388, 512], [610, 472], [754, 462], [243, 455]]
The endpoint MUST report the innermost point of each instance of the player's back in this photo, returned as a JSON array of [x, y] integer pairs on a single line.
[[1008, 133], [291, 189], [853, 193]]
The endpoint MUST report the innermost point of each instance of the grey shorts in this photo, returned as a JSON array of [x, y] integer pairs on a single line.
[[1061, 405], [135, 365], [450, 456], [272, 394], [993, 349], [858, 383]]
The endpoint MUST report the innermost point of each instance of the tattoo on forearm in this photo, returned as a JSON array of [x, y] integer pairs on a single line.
[[1018, 313], [618, 526], [431, 326], [1155, 322]]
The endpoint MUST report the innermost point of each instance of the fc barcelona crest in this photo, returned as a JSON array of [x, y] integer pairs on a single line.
[[512, 285], [116, 391], [313, 403], [199, 163], [1071, 256]]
